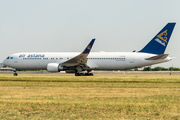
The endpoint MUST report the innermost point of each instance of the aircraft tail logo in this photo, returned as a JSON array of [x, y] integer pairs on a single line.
[[89, 47], [163, 36]]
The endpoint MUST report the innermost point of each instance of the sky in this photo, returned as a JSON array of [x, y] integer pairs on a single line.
[[69, 25]]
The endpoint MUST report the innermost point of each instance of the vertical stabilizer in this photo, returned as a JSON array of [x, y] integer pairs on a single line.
[[159, 43]]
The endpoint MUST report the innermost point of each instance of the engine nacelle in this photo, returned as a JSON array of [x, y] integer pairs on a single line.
[[54, 67]]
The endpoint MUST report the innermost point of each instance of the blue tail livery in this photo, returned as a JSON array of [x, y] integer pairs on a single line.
[[159, 43]]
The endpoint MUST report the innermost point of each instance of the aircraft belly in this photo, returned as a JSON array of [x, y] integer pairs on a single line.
[[111, 65]]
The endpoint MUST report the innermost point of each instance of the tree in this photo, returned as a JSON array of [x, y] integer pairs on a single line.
[[174, 69], [157, 69], [136, 69], [147, 69]]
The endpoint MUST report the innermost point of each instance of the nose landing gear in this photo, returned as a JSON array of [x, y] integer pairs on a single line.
[[15, 74]]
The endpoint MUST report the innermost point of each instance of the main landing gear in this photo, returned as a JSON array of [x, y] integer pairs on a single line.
[[78, 72], [83, 74]]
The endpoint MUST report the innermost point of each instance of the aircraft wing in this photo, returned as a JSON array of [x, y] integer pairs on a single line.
[[81, 59], [158, 57]]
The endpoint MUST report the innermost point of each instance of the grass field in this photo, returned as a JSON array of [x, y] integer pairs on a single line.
[[102, 96]]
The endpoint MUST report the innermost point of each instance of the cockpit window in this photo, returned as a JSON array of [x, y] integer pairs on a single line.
[[7, 58], [11, 58]]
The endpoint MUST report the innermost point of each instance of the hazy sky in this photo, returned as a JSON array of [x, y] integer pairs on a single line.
[[69, 25]]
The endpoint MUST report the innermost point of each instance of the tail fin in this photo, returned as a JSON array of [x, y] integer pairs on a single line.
[[159, 43]]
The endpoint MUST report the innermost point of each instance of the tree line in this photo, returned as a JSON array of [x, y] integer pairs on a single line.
[[161, 69]]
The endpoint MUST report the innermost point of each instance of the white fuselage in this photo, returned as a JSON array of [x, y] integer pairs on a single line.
[[96, 60]]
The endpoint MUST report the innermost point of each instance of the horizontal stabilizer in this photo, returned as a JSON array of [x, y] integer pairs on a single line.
[[158, 57]]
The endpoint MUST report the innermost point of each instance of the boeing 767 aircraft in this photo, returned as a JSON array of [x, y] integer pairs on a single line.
[[74, 62]]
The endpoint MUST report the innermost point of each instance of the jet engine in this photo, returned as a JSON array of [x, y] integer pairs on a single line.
[[54, 67]]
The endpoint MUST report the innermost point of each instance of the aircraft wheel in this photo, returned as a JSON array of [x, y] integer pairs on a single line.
[[76, 74], [81, 74], [15, 74], [88, 74], [91, 74]]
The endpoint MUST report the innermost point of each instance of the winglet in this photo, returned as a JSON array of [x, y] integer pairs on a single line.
[[81, 59], [88, 48]]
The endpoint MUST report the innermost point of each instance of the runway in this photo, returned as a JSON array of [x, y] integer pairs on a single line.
[[62, 72]]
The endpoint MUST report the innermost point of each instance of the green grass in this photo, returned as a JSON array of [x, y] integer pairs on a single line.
[[103, 96]]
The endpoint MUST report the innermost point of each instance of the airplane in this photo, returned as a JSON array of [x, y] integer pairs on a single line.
[[83, 63]]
